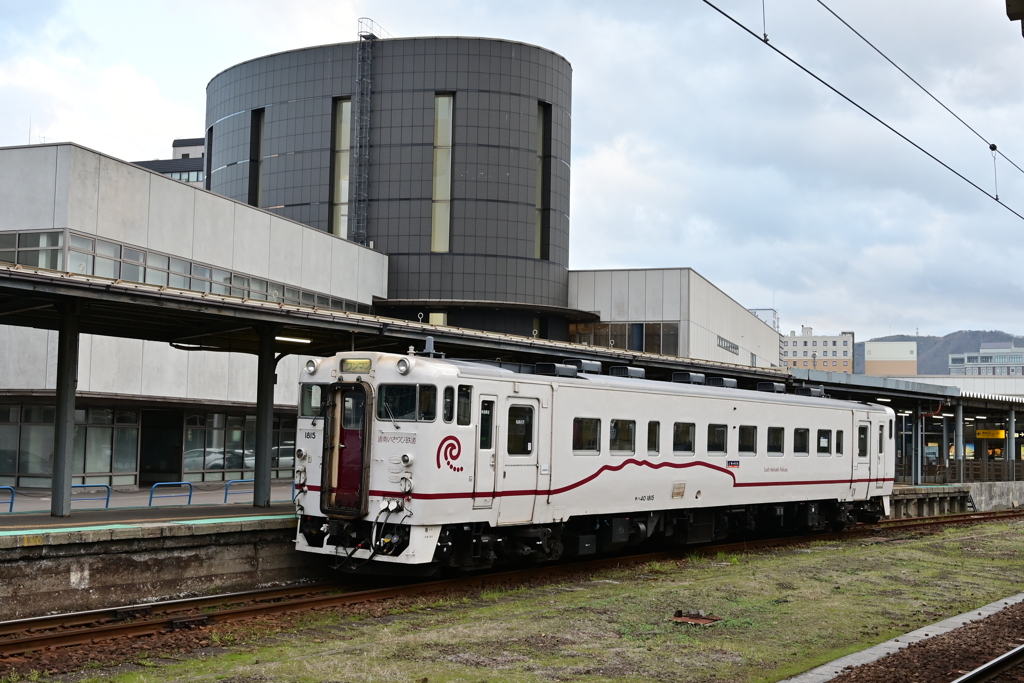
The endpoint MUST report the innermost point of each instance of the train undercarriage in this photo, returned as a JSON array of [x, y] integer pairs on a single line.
[[474, 546]]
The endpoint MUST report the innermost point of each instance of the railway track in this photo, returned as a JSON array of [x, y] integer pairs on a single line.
[[34, 634], [992, 670]]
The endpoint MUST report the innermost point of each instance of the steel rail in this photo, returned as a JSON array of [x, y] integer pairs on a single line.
[[992, 669], [124, 612], [60, 630]]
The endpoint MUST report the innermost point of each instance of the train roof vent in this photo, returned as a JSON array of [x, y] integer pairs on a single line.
[[626, 371], [816, 392], [688, 377], [555, 369], [772, 387], [727, 382], [591, 367]]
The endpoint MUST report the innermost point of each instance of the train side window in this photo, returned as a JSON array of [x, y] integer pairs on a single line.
[[653, 438], [520, 430], [839, 442], [824, 442], [683, 434], [776, 440], [428, 403], [622, 436], [486, 424], [448, 404], [881, 439], [718, 438], [465, 404], [748, 439], [862, 441], [801, 441], [586, 435]]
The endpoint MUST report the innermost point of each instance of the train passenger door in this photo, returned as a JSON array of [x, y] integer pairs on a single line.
[[345, 468], [485, 467], [519, 447], [862, 461], [879, 468]]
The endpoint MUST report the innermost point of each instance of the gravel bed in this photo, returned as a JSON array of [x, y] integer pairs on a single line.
[[946, 657]]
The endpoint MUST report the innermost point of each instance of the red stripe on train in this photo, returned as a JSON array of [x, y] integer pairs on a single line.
[[616, 468]]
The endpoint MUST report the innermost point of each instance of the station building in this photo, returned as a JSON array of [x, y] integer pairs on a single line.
[[420, 179]]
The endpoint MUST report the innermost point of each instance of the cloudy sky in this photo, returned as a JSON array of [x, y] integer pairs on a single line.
[[693, 143]]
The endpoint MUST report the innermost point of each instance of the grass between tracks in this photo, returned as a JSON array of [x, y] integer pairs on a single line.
[[784, 611]]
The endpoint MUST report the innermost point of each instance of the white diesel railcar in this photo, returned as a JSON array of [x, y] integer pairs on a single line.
[[426, 462]]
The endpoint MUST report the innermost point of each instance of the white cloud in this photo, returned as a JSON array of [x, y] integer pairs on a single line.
[[693, 143]]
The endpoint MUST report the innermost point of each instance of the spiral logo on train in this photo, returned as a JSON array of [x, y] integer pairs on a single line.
[[451, 449]]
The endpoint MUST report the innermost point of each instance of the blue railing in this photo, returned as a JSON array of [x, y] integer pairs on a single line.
[[227, 489], [92, 486], [10, 503], [152, 491]]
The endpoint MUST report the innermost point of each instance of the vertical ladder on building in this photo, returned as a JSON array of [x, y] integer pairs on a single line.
[[369, 32]]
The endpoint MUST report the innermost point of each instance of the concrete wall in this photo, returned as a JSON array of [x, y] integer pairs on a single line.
[[997, 495], [143, 369], [94, 569], [68, 186], [680, 295], [713, 313]]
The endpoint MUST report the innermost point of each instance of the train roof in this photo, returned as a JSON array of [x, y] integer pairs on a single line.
[[487, 370]]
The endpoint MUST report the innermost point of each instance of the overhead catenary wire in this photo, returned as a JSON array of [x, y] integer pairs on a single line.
[[863, 109], [988, 143]]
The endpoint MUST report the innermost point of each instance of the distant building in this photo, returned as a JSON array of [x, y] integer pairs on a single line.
[[887, 359], [994, 358], [807, 350], [186, 163]]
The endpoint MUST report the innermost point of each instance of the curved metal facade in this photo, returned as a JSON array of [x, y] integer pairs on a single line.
[[499, 88]]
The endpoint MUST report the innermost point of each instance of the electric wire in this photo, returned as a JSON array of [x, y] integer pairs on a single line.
[[863, 109], [926, 91]]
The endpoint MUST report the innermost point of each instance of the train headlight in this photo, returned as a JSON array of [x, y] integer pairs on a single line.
[[311, 366], [404, 366], [406, 484], [407, 459]]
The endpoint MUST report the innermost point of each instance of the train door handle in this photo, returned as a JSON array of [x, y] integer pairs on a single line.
[[492, 461], [504, 474]]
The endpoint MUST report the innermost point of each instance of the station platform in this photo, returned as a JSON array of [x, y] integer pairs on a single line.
[[121, 555], [94, 498], [928, 500]]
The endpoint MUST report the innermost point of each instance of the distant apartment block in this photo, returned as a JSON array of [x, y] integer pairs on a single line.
[[994, 358], [886, 359], [809, 351]]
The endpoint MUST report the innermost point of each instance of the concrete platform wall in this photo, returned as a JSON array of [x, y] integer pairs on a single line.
[[997, 495], [91, 569]]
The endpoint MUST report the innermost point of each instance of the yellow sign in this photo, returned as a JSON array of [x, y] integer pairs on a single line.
[[990, 434], [355, 365]]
